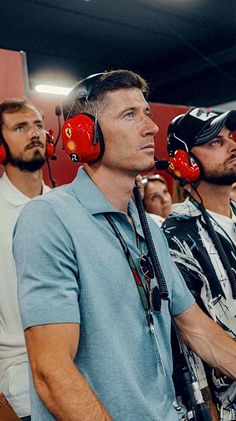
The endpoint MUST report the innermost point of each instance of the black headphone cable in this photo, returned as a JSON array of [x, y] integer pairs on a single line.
[[150, 245]]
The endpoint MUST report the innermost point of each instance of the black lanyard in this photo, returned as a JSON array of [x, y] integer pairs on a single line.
[[142, 292], [149, 298]]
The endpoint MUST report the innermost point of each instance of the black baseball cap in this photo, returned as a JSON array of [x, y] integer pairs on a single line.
[[198, 126]]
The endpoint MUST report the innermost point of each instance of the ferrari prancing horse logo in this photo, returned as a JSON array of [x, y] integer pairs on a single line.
[[68, 132]]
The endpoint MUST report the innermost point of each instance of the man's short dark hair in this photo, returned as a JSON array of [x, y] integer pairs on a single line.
[[13, 105], [105, 82]]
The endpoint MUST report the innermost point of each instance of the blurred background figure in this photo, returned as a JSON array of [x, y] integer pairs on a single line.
[[233, 192], [157, 198]]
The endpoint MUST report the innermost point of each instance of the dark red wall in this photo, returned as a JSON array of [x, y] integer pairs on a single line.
[[13, 75]]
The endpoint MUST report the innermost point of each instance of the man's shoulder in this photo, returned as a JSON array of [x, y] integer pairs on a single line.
[[185, 209], [180, 213], [56, 201], [182, 221], [53, 196]]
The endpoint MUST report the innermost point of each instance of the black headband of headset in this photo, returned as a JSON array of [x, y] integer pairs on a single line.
[[82, 90]]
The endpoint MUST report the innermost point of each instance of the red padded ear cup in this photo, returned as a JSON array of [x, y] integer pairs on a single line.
[[3, 154], [50, 147], [78, 139], [183, 167]]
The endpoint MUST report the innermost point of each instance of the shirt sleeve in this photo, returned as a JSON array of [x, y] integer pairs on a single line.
[[47, 271], [181, 299]]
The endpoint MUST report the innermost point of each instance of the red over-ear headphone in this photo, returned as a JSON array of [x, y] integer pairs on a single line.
[[183, 167], [81, 135], [50, 148], [81, 140], [3, 153], [181, 164]]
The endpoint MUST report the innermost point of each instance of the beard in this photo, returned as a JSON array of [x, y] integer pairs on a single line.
[[219, 178], [30, 165]]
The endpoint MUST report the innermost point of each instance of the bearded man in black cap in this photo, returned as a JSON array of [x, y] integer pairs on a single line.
[[201, 231]]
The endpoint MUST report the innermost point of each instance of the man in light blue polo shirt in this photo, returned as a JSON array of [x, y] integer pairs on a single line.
[[84, 298]]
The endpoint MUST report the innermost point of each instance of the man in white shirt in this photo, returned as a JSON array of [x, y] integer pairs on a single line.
[[23, 152]]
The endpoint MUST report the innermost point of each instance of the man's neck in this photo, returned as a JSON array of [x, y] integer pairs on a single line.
[[116, 187], [28, 183], [215, 198]]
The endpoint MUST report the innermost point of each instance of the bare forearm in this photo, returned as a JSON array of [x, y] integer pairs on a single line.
[[217, 350], [67, 395], [210, 342]]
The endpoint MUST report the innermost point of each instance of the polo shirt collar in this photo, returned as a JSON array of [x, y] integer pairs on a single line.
[[186, 208], [89, 195], [12, 194]]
